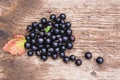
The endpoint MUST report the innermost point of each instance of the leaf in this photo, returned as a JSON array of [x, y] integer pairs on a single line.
[[15, 46], [47, 29]]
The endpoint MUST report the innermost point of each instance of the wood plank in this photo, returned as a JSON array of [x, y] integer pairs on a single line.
[[95, 24]]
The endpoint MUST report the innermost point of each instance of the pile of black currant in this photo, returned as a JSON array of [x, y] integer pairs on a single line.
[[51, 38]]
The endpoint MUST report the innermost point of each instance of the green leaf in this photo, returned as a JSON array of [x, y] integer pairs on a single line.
[[47, 29]]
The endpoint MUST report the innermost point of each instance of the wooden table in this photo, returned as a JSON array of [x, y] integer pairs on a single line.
[[95, 24]]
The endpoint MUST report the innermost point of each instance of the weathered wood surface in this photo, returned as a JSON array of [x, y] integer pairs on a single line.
[[95, 24]]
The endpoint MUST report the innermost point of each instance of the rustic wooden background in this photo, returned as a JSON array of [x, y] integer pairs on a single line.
[[95, 24]]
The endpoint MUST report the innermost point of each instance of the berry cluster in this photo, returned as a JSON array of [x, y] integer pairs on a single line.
[[51, 39]]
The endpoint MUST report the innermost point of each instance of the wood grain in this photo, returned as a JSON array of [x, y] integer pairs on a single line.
[[95, 24]]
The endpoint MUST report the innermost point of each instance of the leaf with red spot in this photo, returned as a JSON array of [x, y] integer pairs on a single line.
[[15, 46]]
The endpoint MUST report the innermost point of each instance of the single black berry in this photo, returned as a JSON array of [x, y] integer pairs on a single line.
[[58, 20], [69, 45], [43, 51], [72, 38], [69, 32], [62, 16], [32, 35], [34, 24], [52, 16], [43, 20], [68, 24], [62, 54], [88, 55], [99, 60], [34, 48], [66, 59], [38, 53], [29, 28], [78, 62], [40, 26], [65, 38], [27, 45], [72, 57], [55, 56], [44, 58], [40, 40], [29, 53]]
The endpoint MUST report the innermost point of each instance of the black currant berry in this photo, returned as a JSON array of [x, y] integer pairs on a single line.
[[55, 56], [99, 60], [38, 53], [43, 20], [88, 55], [29, 53], [62, 16], [69, 45], [27, 45], [29, 28], [62, 54], [68, 24], [43, 57], [52, 16], [78, 62], [66, 59], [72, 57]]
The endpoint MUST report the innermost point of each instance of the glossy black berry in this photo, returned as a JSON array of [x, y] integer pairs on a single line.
[[57, 50], [51, 50], [48, 34], [66, 59], [99, 60], [62, 16], [56, 25], [60, 39], [68, 24], [40, 46], [36, 30], [29, 28], [53, 37], [38, 53], [28, 38], [62, 22], [65, 39], [32, 35], [43, 57], [69, 45], [78, 62], [40, 26], [62, 32], [63, 26], [43, 51], [33, 41], [69, 32], [43, 20], [72, 38], [50, 23], [55, 44], [58, 20], [48, 41], [40, 40], [56, 31], [88, 55], [34, 24], [34, 48], [29, 53], [62, 48], [52, 16], [55, 56], [42, 34], [62, 54], [72, 57], [27, 45]]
